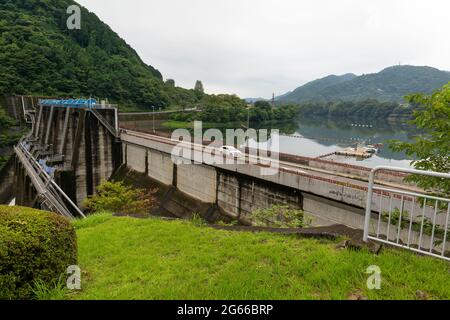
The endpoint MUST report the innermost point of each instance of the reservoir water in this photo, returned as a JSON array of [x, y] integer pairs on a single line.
[[312, 137]]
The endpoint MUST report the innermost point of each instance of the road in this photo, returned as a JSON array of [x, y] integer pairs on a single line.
[[350, 180]]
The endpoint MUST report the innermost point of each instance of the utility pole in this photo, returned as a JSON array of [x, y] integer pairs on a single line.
[[248, 128], [153, 119]]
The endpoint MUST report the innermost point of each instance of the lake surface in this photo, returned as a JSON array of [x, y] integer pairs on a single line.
[[315, 137]]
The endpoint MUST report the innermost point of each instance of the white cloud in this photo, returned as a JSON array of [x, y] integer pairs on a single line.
[[256, 47]]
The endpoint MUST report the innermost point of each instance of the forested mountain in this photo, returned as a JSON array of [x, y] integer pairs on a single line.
[[391, 84], [40, 55], [312, 89]]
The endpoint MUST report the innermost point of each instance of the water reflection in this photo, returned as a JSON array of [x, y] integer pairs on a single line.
[[315, 137]]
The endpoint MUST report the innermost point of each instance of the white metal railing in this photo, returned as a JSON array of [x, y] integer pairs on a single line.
[[410, 220]]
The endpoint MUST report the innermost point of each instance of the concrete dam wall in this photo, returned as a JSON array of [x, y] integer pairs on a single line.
[[219, 193], [74, 147]]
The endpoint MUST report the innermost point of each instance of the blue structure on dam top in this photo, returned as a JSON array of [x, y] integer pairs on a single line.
[[77, 103]]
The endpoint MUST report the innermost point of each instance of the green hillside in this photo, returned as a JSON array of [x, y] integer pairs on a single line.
[[391, 84], [40, 55], [312, 89]]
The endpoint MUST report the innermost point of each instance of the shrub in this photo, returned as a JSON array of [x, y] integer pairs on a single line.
[[118, 198], [197, 220], [278, 217], [35, 246]]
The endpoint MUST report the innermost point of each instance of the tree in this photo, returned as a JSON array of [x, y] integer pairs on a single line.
[[432, 148], [199, 90], [263, 105], [199, 87], [170, 83]]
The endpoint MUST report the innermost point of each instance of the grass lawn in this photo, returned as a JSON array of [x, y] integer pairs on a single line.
[[126, 258]]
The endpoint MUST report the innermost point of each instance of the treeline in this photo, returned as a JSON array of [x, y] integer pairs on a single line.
[[370, 109], [226, 109], [230, 108]]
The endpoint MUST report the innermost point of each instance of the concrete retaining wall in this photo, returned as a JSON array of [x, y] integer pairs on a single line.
[[239, 196], [198, 181], [160, 166], [136, 157], [323, 212]]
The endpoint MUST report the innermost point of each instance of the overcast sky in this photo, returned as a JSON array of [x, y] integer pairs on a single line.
[[255, 47]]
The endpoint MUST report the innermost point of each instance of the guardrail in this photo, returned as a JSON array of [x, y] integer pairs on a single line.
[[409, 220]]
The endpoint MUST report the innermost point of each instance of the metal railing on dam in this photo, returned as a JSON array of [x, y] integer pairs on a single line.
[[49, 194], [419, 222]]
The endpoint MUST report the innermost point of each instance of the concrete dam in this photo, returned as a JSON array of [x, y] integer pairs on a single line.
[[69, 151], [72, 148], [236, 190]]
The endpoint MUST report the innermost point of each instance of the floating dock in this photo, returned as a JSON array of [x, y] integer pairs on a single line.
[[355, 152]]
